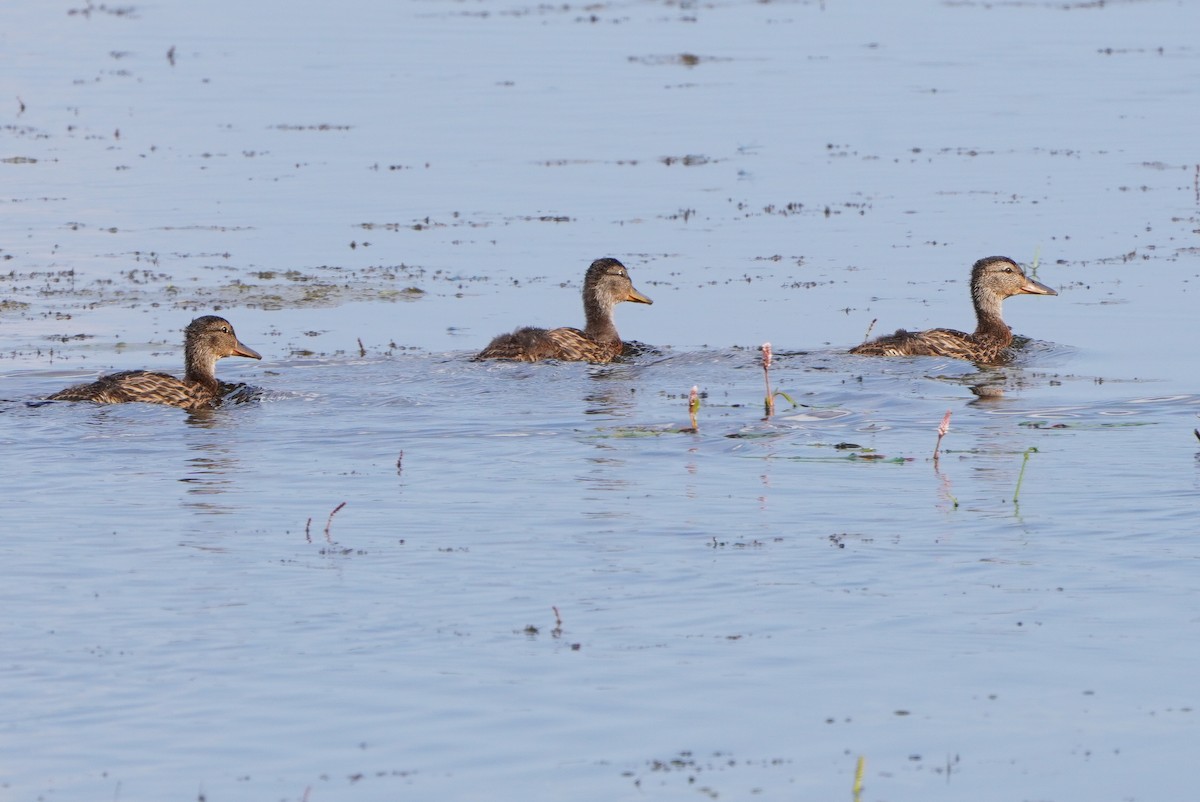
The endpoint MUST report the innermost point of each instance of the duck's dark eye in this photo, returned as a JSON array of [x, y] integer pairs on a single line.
[[225, 329], [1008, 270]]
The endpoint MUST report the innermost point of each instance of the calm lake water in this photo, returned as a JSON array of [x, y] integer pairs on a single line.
[[401, 574]]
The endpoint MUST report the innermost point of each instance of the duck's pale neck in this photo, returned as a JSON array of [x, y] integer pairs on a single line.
[[200, 366], [599, 315], [990, 325]]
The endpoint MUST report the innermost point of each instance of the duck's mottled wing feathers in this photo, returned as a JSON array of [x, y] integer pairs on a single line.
[[138, 385], [574, 345], [534, 344], [935, 342], [523, 345]]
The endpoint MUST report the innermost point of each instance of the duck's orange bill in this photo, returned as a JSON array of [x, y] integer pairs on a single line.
[[637, 297]]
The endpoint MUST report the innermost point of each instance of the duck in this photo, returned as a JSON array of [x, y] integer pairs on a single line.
[[206, 339], [993, 279], [605, 285]]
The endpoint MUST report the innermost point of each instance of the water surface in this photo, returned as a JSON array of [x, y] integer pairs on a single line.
[[540, 582]]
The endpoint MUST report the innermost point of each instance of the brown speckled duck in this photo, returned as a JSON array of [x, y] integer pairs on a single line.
[[206, 339], [607, 284], [992, 280]]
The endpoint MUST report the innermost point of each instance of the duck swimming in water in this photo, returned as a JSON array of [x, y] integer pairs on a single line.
[[606, 284], [206, 339], [992, 280]]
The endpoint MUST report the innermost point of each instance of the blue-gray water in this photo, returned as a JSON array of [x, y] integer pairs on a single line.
[[371, 191]]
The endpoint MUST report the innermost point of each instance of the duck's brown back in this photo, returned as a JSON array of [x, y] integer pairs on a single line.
[[141, 385], [938, 342], [533, 345]]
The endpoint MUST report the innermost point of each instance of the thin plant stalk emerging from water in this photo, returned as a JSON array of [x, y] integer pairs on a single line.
[[943, 427], [1021, 475], [694, 406], [769, 402]]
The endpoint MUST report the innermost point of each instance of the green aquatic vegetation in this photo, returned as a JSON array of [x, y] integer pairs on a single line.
[[1021, 475], [883, 458], [634, 432], [757, 435], [866, 455], [1046, 425]]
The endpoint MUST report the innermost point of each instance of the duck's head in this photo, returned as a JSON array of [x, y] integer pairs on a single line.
[[209, 338], [607, 284], [1001, 277]]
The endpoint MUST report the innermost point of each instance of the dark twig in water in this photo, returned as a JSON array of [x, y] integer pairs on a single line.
[[361, 351], [308, 526], [870, 328], [171, 56], [21, 110], [1197, 433], [943, 427], [329, 523], [400, 462]]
